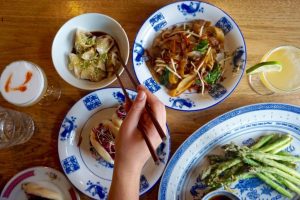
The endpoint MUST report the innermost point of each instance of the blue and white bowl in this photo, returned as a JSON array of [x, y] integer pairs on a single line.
[[180, 12]]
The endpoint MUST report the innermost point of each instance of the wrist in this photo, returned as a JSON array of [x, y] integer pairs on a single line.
[[128, 167]]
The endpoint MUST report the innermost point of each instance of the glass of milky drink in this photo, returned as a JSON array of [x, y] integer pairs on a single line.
[[24, 83], [284, 80]]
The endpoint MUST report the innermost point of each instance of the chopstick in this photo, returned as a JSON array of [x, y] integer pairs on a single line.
[[140, 125], [148, 108]]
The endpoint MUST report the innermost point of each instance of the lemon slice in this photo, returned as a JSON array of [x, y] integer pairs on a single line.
[[269, 66]]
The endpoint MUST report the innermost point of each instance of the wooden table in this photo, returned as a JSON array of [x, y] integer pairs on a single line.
[[27, 29]]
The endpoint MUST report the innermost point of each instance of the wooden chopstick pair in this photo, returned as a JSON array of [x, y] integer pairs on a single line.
[[148, 110]]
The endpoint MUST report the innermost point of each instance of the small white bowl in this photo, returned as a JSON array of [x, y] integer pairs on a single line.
[[64, 42]]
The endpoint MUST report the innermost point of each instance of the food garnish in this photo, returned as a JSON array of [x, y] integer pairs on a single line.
[[269, 66]]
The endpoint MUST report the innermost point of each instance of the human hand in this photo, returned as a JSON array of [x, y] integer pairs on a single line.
[[131, 149]]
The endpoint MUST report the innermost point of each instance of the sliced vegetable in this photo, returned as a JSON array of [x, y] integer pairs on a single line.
[[213, 76], [183, 85], [202, 46]]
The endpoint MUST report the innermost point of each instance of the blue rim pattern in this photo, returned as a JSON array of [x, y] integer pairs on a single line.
[[228, 115], [243, 69]]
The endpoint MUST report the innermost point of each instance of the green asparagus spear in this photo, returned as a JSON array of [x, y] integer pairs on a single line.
[[284, 153], [289, 185], [269, 147], [262, 155], [278, 172], [289, 164], [207, 171], [284, 146], [278, 165], [226, 165], [250, 162], [263, 140], [274, 185], [273, 178]]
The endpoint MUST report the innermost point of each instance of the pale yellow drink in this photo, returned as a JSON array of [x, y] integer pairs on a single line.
[[288, 79]]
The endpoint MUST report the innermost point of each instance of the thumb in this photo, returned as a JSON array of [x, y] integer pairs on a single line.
[[137, 108]]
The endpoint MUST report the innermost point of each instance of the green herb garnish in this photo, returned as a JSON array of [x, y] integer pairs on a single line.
[[85, 64], [164, 79], [202, 46], [198, 82], [213, 76], [103, 57]]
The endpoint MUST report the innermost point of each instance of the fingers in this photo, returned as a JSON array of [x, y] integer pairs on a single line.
[[156, 105], [136, 110]]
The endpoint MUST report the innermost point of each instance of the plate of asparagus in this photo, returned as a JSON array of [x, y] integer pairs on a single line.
[[252, 151]]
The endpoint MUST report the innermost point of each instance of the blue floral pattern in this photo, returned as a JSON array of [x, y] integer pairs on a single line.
[[140, 51], [238, 58], [224, 24], [197, 189], [70, 164], [290, 149], [120, 97], [248, 142], [68, 126], [96, 189], [190, 9], [158, 21], [181, 102], [151, 84], [247, 184], [217, 91], [252, 194], [143, 183], [91, 102], [161, 152], [266, 190]]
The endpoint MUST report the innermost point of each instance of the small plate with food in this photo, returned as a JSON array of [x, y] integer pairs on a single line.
[[39, 183], [252, 152], [86, 144], [87, 50], [190, 54]]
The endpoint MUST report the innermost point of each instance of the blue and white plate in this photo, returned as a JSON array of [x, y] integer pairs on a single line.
[[180, 12], [241, 126], [83, 166]]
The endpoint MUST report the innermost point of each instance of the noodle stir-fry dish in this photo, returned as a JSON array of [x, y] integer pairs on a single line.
[[189, 56]]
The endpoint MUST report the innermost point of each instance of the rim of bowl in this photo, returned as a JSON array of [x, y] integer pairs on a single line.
[[113, 78], [243, 69], [220, 192]]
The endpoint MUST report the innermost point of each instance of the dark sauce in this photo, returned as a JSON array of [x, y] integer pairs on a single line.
[[220, 197], [98, 33]]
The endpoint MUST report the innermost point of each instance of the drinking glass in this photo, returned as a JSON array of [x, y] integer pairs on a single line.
[[24, 83], [15, 127], [285, 81]]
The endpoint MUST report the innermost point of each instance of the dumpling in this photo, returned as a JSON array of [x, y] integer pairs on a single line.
[[104, 44], [92, 73], [74, 61], [89, 55], [83, 40], [113, 62]]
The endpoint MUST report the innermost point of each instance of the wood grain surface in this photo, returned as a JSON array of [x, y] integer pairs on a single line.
[[27, 29]]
